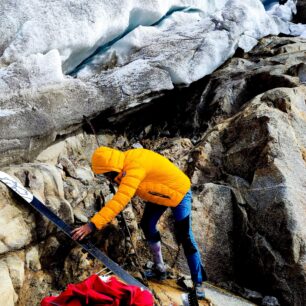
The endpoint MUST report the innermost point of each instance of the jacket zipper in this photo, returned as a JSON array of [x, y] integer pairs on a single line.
[[159, 195]]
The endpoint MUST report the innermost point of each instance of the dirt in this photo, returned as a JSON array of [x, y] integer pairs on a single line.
[[168, 293]]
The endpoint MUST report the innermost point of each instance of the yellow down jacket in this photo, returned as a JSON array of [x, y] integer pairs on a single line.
[[145, 173]]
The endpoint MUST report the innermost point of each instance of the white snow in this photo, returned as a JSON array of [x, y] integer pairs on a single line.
[[283, 11], [6, 112], [236, 24], [283, 14], [77, 28], [298, 30], [44, 38], [31, 72]]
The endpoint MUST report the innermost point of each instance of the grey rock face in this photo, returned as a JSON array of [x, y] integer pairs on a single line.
[[16, 224], [270, 301], [274, 62], [258, 148], [214, 229], [259, 154]]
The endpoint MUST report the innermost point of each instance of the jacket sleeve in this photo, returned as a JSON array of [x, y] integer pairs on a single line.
[[127, 188]]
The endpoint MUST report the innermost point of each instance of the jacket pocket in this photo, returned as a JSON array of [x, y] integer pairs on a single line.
[[157, 194]]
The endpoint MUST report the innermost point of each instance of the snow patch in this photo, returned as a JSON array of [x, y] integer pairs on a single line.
[[32, 72], [283, 11], [6, 112], [298, 30]]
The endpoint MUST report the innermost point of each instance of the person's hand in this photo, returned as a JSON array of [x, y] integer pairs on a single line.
[[81, 232]]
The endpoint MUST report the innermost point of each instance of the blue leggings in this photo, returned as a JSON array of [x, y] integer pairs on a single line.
[[182, 217]]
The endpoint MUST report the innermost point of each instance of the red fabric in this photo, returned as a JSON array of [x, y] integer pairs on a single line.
[[94, 291]]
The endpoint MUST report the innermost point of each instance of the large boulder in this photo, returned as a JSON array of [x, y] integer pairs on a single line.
[[274, 62], [260, 154]]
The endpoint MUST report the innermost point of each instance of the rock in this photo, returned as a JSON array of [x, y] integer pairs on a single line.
[[16, 224], [149, 264], [32, 259], [85, 174], [132, 225], [80, 215], [137, 145], [176, 149], [45, 182], [49, 251], [15, 264], [8, 296], [213, 228], [68, 167], [78, 266], [258, 153], [252, 295], [300, 16], [36, 286], [270, 301], [274, 62], [52, 153]]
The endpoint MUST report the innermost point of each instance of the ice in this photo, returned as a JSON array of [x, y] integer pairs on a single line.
[[298, 29], [236, 24], [47, 39], [31, 72], [283, 11], [283, 14], [77, 28], [6, 112], [269, 3]]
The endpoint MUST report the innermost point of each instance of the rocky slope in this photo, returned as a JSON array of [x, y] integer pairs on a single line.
[[244, 150], [239, 133]]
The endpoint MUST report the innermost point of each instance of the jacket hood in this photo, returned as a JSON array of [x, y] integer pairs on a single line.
[[105, 159]]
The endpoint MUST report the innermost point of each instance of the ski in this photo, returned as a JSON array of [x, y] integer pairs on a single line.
[[88, 246]]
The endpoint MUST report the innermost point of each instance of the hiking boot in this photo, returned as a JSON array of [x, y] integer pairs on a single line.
[[200, 291], [155, 273]]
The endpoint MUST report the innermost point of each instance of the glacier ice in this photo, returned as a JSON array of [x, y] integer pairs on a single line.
[[77, 28], [212, 39], [72, 31], [283, 11], [33, 71]]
